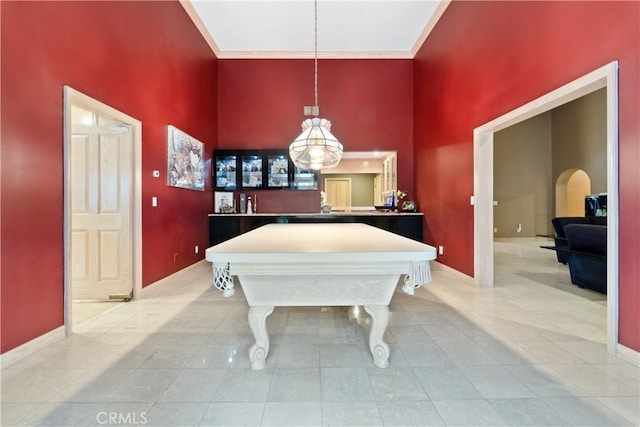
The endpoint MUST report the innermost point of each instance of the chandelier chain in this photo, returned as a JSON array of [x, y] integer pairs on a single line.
[[315, 54]]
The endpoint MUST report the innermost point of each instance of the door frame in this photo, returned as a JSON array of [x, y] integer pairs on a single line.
[[74, 97], [604, 77]]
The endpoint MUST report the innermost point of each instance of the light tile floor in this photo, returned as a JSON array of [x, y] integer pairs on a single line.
[[530, 352], [84, 310]]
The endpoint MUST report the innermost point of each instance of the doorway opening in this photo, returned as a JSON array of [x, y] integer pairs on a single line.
[[571, 188], [102, 206], [604, 77]]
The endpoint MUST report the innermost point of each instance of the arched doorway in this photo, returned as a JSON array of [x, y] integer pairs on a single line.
[[571, 187]]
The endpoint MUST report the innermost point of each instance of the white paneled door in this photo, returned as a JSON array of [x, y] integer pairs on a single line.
[[101, 225], [338, 192]]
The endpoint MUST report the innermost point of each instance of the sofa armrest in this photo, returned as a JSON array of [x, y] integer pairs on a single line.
[[567, 250]]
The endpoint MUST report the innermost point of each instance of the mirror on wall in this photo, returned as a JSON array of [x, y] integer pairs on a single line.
[[362, 180]]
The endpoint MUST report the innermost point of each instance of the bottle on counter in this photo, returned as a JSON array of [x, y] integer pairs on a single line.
[[249, 206], [243, 203]]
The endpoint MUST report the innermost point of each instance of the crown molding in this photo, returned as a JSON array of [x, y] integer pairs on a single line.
[[191, 11], [437, 14], [310, 55]]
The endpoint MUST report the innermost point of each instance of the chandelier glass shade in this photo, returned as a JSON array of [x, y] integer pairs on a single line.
[[316, 147]]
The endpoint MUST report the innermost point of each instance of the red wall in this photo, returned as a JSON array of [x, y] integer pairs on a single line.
[[486, 58], [145, 59], [369, 103]]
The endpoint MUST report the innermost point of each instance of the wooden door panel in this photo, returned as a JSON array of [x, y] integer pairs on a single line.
[[338, 192], [109, 255], [109, 183], [101, 247], [80, 183], [79, 245]]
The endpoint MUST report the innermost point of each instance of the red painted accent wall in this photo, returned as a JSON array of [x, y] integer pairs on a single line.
[[145, 59], [369, 103], [484, 59]]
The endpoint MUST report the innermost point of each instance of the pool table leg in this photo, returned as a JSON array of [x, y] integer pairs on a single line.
[[379, 321], [258, 324]]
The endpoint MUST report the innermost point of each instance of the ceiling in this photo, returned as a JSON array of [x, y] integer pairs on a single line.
[[285, 28]]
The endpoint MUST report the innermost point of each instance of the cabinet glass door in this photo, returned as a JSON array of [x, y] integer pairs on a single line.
[[225, 172], [251, 171], [278, 171], [305, 179]]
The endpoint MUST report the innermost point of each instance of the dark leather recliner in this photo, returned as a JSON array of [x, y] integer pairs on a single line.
[[587, 255], [560, 240], [560, 222]]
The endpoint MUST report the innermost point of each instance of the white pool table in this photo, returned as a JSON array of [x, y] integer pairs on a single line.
[[319, 265]]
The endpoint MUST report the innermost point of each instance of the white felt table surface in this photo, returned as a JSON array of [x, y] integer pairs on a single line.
[[352, 242]]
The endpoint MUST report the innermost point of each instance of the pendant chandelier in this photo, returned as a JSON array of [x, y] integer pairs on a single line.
[[316, 147]]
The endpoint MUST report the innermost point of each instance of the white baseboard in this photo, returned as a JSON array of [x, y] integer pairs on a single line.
[[435, 266], [14, 355], [628, 354], [171, 276]]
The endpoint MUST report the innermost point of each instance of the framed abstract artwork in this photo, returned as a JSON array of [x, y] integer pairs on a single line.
[[185, 160]]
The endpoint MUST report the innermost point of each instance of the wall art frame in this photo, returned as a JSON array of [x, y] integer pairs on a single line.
[[185, 160]]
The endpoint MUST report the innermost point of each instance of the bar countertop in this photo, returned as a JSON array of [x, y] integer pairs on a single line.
[[319, 214]]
